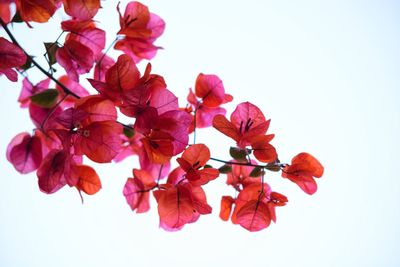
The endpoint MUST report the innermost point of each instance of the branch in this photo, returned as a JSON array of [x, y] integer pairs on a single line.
[[63, 87]]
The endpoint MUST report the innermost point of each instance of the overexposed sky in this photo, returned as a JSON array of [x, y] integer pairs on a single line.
[[325, 72]]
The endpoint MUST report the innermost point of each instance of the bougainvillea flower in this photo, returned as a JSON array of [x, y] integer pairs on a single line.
[[99, 141], [24, 152], [247, 122], [36, 10], [136, 190], [302, 170], [211, 90], [11, 56], [180, 204], [209, 95], [165, 135], [86, 33], [253, 193], [28, 90], [254, 207], [132, 93], [239, 177], [192, 162], [57, 169], [140, 28], [75, 58], [119, 78], [91, 128], [82, 10], [88, 180]]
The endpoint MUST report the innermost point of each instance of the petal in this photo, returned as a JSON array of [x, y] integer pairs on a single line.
[[89, 182], [254, 216], [226, 127], [81, 9], [25, 152], [210, 89], [226, 207]]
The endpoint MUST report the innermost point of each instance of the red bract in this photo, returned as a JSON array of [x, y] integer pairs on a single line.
[[180, 204], [132, 93], [209, 95], [192, 162], [73, 86], [88, 180], [226, 207], [251, 209], [129, 146], [165, 135], [136, 190], [119, 78], [99, 141], [11, 56], [262, 149], [239, 177], [28, 90], [103, 63], [82, 10], [302, 170], [211, 90], [36, 10], [25, 152], [5, 12], [247, 122], [140, 28], [96, 108], [57, 169], [86, 33], [42, 118], [75, 58]]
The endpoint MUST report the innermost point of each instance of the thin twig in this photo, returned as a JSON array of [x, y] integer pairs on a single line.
[[63, 87]]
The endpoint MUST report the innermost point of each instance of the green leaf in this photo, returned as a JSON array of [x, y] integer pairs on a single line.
[[256, 172], [225, 169], [238, 153], [45, 99], [273, 167], [207, 166], [51, 50], [129, 132]]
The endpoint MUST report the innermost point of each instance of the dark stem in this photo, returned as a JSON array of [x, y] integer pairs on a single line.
[[238, 163]]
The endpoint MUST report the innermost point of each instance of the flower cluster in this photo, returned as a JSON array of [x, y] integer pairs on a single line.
[[72, 124]]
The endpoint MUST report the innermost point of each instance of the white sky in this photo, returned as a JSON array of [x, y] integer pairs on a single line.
[[325, 72]]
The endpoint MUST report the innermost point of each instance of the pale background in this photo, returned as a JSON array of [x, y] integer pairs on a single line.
[[326, 72]]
